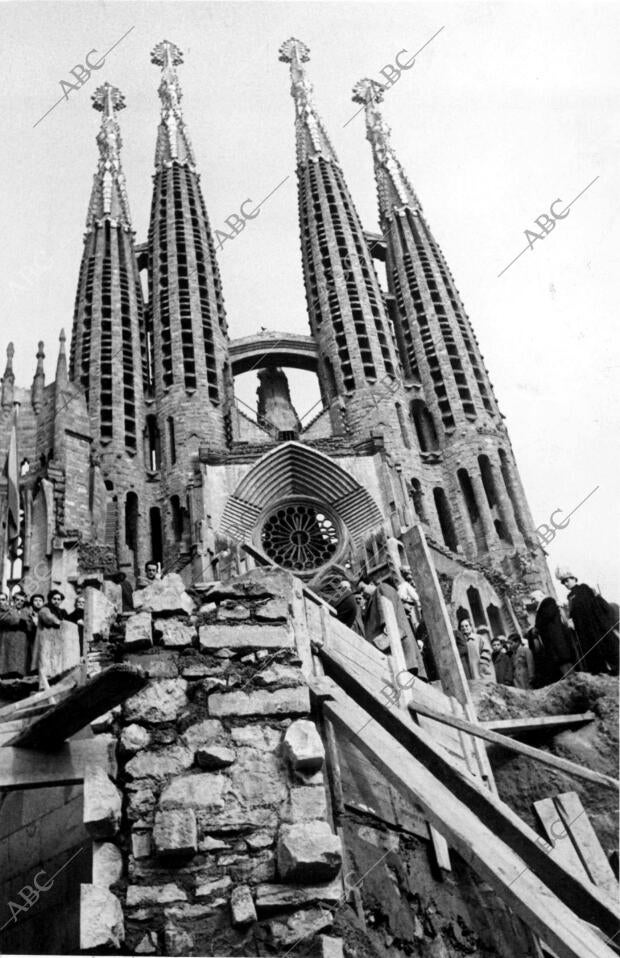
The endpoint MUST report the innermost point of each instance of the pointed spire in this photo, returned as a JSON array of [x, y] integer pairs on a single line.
[[62, 377], [38, 383], [315, 141], [8, 380], [173, 142], [393, 186], [109, 193]]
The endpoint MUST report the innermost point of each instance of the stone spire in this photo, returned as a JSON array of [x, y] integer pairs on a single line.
[[191, 378], [436, 341], [38, 382], [8, 380], [109, 193], [276, 412], [392, 183], [62, 377], [173, 142], [346, 309], [312, 139]]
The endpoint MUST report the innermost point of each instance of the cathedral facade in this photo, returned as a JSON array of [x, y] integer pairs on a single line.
[[139, 449]]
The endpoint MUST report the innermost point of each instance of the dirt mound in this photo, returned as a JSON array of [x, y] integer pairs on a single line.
[[521, 781]]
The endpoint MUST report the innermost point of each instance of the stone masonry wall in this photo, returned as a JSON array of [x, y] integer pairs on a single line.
[[226, 833]]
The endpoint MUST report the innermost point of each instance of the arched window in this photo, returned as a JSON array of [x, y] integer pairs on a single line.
[[445, 518], [152, 446], [177, 518], [424, 426], [512, 492], [467, 491], [495, 620], [172, 441], [131, 525], [417, 497], [488, 481], [111, 514], [157, 552], [475, 604]]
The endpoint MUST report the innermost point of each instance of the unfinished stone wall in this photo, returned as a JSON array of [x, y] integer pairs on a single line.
[[226, 835]]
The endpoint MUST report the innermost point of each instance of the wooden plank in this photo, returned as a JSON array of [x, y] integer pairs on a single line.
[[586, 842], [542, 723], [491, 857], [85, 703], [21, 768], [583, 897], [554, 761], [558, 836], [8, 712]]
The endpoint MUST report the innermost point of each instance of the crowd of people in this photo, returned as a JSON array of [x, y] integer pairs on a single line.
[[583, 637], [38, 636]]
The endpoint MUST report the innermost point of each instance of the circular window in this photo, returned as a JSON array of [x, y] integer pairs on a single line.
[[300, 536]]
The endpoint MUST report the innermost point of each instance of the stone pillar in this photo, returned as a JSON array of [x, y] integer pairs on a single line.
[[482, 502], [469, 537], [505, 505]]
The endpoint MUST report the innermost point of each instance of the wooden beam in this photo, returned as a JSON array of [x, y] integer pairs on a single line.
[[488, 854], [542, 723], [586, 900], [99, 694], [12, 711], [586, 842], [559, 837], [537, 754], [21, 768]]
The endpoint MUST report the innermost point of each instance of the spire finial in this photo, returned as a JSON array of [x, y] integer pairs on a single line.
[[62, 379], [173, 142], [109, 195], [370, 94], [38, 382], [312, 138], [8, 380]]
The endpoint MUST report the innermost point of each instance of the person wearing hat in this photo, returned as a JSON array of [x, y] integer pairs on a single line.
[[13, 639], [595, 624], [54, 650], [375, 626]]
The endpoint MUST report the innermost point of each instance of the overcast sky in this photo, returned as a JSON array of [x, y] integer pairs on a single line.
[[511, 107]]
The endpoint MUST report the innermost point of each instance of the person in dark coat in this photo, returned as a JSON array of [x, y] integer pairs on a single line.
[[375, 627], [557, 639], [595, 624], [37, 601], [348, 608], [502, 662], [13, 639], [461, 646], [77, 616]]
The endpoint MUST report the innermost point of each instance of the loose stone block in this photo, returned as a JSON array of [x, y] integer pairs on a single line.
[[214, 756], [220, 636], [272, 611], [294, 701], [303, 746], [141, 844], [242, 906], [204, 733], [147, 945], [299, 926], [230, 612], [102, 804], [260, 840], [271, 897], [100, 613], [175, 833], [138, 630], [134, 738], [308, 852], [203, 791], [154, 894], [158, 766], [164, 595], [214, 889], [160, 701], [175, 634], [262, 737], [157, 665], [286, 675], [330, 947], [177, 941], [306, 803], [107, 864], [101, 919]]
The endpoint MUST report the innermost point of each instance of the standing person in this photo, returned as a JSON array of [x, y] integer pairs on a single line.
[[522, 662], [58, 647], [375, 627], [502, 661], [557, 639], [13, 640], [77, 616], [151, 574], [37, 601], [409, 597], [479, 652], [595, 624], [348, 608], [460, 637]]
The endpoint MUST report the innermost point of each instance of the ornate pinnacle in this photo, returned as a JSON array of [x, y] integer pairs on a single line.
[[368, 91], [166, 54], [294, 49], [10, 352], [108, 99]]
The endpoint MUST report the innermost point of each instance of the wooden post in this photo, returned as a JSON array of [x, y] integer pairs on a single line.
[[441, 636]]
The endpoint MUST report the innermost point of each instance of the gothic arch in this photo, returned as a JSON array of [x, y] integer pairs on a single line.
[[487, 596], [295, 473]]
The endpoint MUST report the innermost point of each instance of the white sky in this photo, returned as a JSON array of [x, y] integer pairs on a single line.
[[511, 107]]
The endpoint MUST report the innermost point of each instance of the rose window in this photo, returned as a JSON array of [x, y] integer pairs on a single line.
[[300, 536]]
